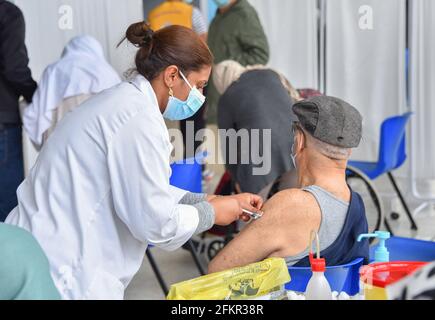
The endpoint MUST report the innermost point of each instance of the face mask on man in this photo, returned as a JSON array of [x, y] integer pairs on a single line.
[[293, 155], [181, 110], [221, 3]]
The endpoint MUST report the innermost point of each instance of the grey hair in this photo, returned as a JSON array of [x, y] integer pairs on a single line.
[[328, 150]]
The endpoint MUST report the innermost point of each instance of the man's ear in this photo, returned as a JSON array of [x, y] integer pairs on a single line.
[[301, 141], [170, 75]]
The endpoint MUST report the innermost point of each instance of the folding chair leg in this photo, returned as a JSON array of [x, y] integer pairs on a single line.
[[402, 200], [191, 248], [156, 270]]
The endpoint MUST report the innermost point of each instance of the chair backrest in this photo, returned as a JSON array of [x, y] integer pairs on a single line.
[[187, 174], [392, 150]]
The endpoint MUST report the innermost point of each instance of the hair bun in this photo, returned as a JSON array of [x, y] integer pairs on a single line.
[[140, 34]]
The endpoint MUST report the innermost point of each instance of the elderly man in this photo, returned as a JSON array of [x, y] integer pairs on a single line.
[[326, 131]]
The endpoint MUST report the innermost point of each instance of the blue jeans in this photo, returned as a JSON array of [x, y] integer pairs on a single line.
[[11, 168]]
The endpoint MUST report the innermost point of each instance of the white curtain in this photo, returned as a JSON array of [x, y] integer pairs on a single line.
[[291, 28], [49, 28], [422, 80], [365, 62]]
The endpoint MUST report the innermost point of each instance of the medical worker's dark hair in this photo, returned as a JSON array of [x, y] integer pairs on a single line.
[[173, 45]]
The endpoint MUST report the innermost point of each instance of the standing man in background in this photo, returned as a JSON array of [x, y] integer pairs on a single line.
[[178, 12], [15, 81], [183, 13], [235, 34]]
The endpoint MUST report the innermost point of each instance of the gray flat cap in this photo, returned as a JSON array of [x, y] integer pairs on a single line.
[[330, 120]]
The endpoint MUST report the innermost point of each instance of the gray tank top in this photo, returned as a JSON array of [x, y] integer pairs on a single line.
[[333, 216]]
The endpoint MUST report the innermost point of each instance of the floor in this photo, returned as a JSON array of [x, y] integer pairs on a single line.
[[179, 266]]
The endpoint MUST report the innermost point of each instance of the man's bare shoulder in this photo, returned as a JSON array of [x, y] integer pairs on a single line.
[[289, 197]]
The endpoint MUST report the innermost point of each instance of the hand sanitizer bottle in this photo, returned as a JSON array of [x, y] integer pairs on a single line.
[[381, 253]]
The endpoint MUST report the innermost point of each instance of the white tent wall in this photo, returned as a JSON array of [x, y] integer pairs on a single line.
[[422, 92], [50, 24], [291, 28], [367, 66]]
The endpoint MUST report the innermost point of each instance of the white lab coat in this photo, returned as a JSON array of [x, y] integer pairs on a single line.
[[99, 193]]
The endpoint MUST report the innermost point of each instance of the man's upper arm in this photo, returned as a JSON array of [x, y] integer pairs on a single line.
[[257, 241], [282, 231]]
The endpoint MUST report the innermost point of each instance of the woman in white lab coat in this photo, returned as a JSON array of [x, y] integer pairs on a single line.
[[99, 192]]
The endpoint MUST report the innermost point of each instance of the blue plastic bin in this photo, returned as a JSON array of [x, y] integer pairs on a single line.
[[343, 278], [187, 174], [406, 249]]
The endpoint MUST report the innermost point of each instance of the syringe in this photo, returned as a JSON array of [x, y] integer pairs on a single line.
[[253, 215]]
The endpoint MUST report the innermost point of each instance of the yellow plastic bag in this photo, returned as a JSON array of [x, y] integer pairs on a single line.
[[250, 282]]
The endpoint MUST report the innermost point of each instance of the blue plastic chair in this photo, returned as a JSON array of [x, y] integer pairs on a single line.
[[406, 249], [344, 278], [187, 174], [392, 155]]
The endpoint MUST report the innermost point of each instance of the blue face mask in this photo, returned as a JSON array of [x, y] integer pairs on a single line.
[[181, 110], [221, 3]]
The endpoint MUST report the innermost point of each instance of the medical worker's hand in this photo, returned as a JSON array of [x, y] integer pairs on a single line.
[[248, 201], [227, 210]]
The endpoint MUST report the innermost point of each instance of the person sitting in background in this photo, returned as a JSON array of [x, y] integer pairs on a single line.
[[24, 268], [326, 130], [81, 72], [256, 97]]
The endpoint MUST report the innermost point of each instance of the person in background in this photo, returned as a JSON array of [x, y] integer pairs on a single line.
[[235, 34], [325, 132], [15, 81], [24, 268], [182, 12], [178, 12], [81, 72], [256, 97]]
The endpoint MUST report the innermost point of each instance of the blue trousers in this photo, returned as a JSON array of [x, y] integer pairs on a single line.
[[11, 167]]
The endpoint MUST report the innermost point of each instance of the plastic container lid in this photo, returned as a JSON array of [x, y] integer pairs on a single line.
[[386, 273], [317, 265]]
